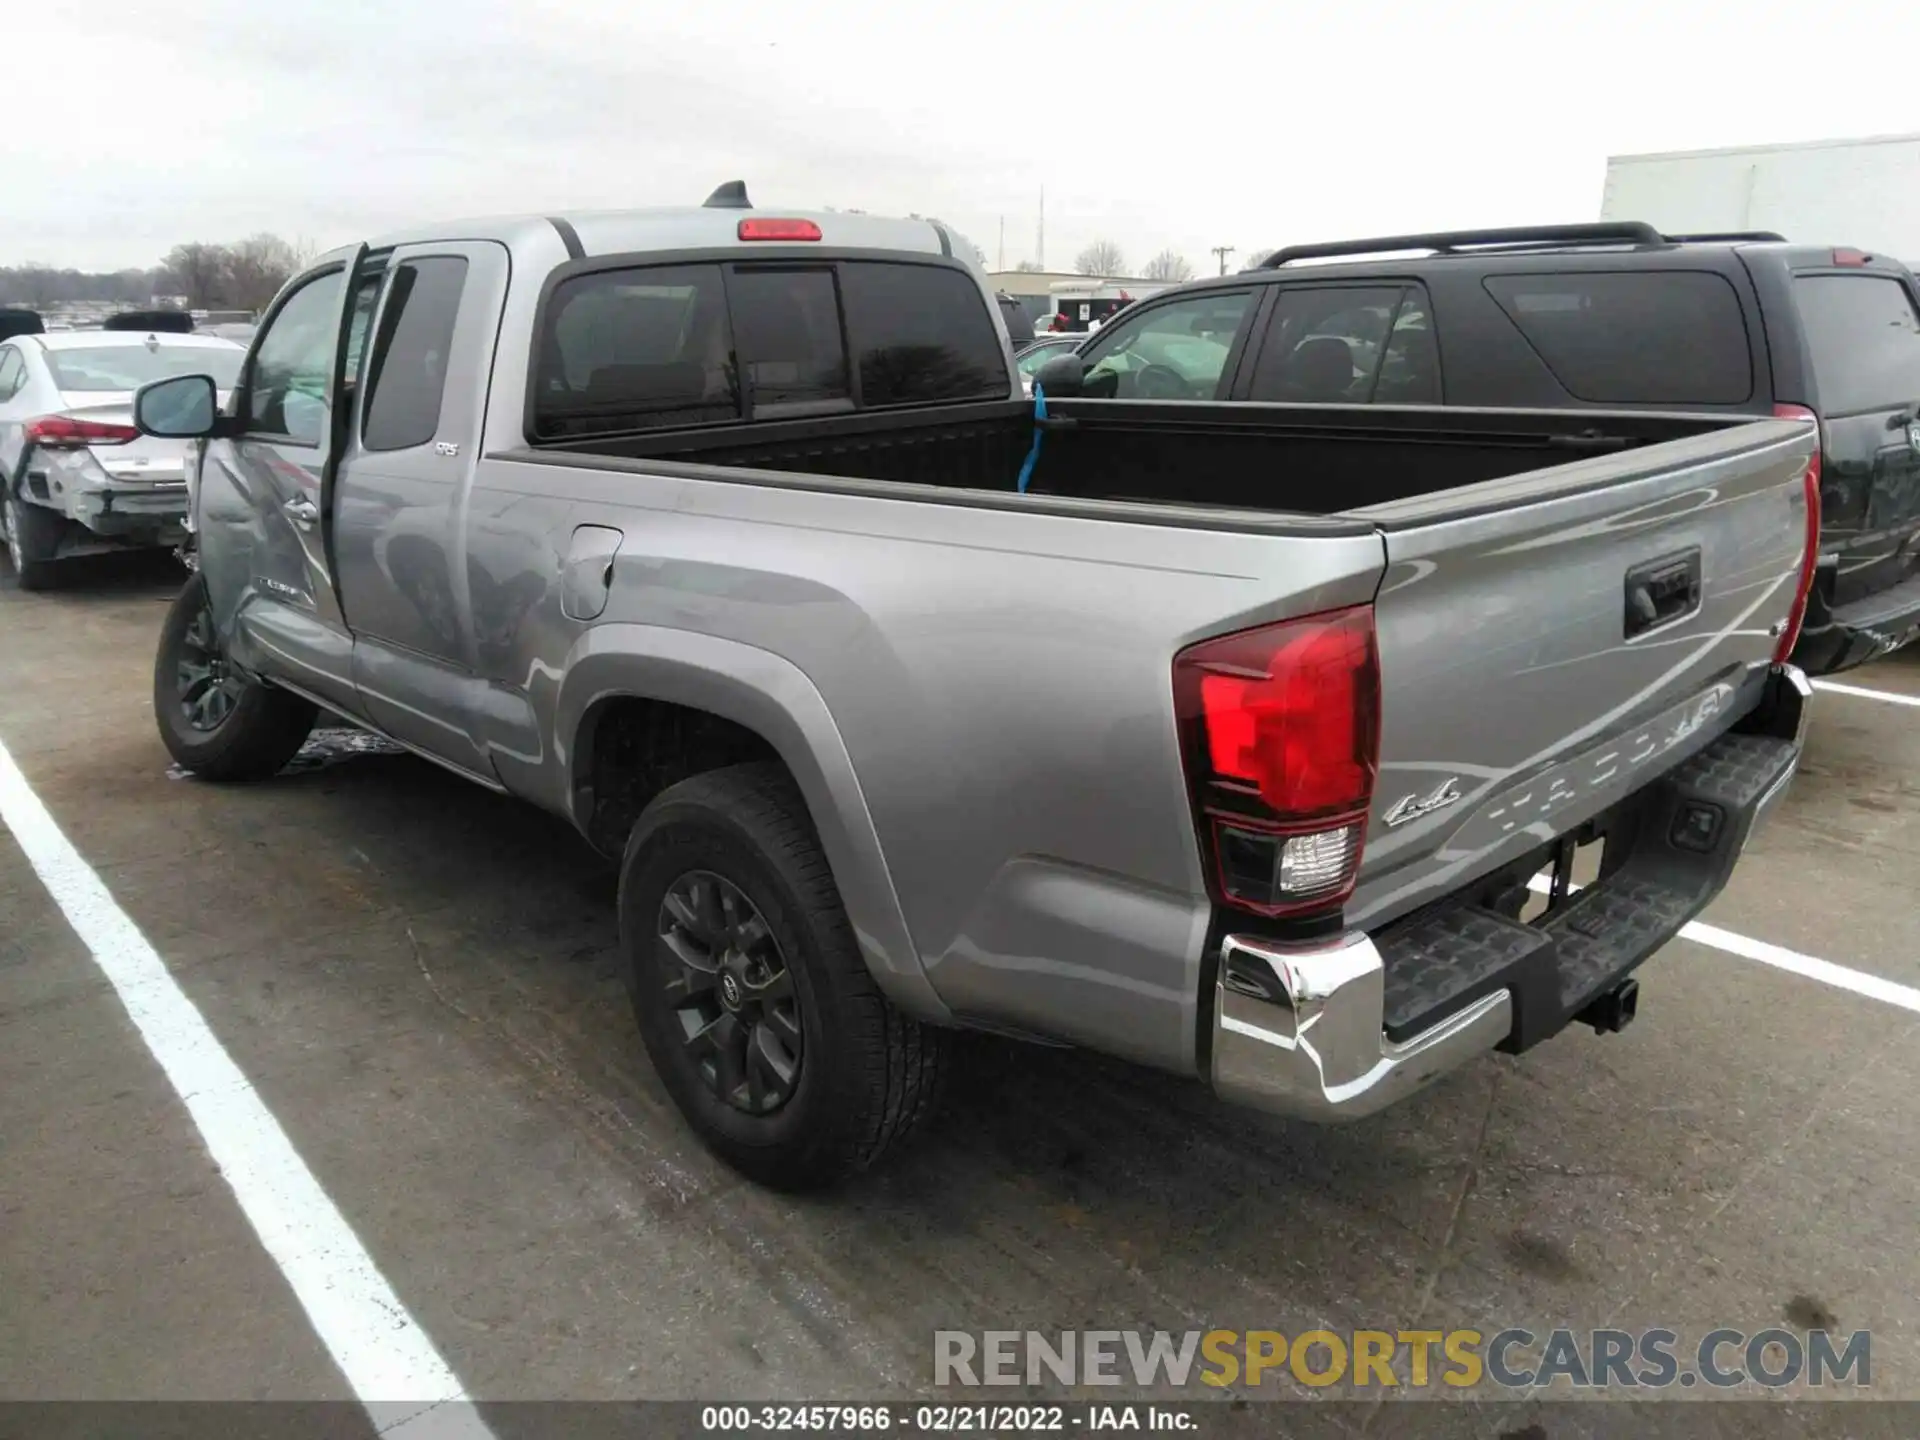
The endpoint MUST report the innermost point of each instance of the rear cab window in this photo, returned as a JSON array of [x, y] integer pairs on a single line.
[[649, 347], [1643, 337]]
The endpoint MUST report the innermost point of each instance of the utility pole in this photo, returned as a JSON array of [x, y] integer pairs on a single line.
[[1001, 262], [1040, 246], [1223, 251]]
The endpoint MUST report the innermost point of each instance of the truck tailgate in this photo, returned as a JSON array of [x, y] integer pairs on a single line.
[[1552, 642]]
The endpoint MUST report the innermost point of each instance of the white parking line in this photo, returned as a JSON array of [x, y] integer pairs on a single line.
[[387, 1359], [1825, 971], [1781, 958], [1861, 692]]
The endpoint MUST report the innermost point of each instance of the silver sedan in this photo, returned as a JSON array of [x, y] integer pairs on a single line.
[[75, 476]]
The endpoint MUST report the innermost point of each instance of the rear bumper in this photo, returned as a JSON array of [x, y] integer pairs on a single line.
[[1863, 630], [131, 515], [1340, 1028]]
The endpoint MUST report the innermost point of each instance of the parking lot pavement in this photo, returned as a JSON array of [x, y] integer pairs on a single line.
[[128, 1270], [419, 980]]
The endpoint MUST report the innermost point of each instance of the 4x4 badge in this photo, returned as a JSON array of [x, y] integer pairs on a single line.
[[1412, 807]]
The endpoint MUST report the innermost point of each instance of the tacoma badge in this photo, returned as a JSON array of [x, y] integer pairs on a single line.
[[1412, 807]]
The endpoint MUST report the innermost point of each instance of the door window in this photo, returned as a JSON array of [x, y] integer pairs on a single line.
[[286, 386], [13, 372], [1176, 351], [1326, 344]]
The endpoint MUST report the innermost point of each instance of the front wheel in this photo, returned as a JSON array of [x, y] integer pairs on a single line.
[[214, 720], [752, 997]]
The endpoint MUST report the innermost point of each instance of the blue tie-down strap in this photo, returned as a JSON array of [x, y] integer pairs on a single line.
[[1033, 455]]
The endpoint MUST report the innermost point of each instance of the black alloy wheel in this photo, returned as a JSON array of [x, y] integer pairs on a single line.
[[731, 992], [205, 685]]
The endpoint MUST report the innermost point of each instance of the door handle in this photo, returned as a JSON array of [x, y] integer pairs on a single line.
[[302, 511]]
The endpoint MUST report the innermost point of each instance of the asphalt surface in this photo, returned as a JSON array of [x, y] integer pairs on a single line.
[[419, 979]]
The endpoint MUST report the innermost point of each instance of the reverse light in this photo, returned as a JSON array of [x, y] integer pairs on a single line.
[[778, 230], [63, 432], [1810, 553], [1281, 736]]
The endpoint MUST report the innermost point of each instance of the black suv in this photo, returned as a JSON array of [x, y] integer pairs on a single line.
[[1609, 316]]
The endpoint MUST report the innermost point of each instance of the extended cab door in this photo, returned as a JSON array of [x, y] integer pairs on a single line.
[[263, 496], [398, 504]]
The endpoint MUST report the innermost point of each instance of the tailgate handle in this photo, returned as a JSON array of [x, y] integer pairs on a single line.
[[1662, 590]]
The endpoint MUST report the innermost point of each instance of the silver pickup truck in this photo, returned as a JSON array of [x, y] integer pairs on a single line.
[[1232, 739]]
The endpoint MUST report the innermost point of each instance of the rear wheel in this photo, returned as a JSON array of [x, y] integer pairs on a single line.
[[752, 996], [33, 535], [216, 721]]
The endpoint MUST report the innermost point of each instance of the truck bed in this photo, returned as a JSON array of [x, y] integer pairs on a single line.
[[1304, 460]]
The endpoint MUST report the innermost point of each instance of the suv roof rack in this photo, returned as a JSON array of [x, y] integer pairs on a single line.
[[1616, 232], [1707, 237]]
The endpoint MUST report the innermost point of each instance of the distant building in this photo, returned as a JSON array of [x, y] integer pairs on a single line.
[[1050, 292]]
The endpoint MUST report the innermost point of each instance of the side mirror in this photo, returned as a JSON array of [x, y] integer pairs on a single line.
[[1064, 376], [183, 408]]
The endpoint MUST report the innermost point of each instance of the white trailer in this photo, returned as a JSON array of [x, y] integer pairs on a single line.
[[1860, 193]]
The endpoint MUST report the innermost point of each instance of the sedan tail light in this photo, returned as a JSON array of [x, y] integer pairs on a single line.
[[63, 432]]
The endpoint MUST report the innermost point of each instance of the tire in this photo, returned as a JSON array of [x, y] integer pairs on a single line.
[[221, 725], [33, 535], [865, 1075]]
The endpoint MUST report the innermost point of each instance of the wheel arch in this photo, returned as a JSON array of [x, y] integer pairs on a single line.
[[687, 703]]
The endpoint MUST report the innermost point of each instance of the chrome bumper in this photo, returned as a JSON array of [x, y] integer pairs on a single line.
[[1298, 1029], [1312, 1046]]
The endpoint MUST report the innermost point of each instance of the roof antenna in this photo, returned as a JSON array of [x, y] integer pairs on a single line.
[[730, 196]]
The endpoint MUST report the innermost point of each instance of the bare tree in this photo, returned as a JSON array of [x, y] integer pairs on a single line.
[[256, 269], [1168, 265], [1028, 267], [1103, 257], [198, 271]]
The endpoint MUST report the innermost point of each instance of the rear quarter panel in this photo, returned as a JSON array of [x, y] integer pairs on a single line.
[[1012, 805]]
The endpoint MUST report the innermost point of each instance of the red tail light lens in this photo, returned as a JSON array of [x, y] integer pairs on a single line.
[[1810, 557], [1281, 733], [62, 432], [778, 230], [1851, 257]]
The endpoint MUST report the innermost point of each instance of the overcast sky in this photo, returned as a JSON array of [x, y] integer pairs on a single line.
[[134, 126]]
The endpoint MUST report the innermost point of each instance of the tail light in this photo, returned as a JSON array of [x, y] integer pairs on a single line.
[[1810, 557], [1280, 731], [1851, 257], [778, 230], [63, 432]]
